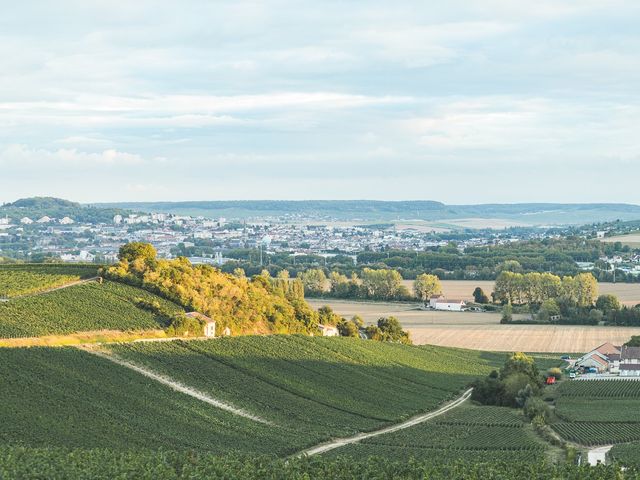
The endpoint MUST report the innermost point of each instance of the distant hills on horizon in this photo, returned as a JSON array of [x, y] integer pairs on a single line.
[[339, 210], [393, 211]]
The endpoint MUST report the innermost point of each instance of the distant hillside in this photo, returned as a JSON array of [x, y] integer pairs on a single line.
[[38, 207], [371, 210]]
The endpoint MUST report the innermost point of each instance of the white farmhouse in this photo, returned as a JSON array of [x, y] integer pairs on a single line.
[[438, 302], [209, 324], [26, 221], [66, 221], [44, 219]]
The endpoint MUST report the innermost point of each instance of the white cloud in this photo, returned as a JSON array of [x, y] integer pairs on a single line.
[[24, 157]]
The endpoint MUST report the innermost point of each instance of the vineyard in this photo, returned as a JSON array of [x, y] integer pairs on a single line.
[[27, 279], [473, 433], [320, 386], [86, 307], [598, 412], [64, 397], [627, 454], [28, 463]]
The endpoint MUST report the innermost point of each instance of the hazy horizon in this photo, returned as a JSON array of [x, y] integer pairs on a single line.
[[465, 103]]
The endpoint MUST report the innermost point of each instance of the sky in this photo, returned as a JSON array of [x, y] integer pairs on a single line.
[[487, 101]]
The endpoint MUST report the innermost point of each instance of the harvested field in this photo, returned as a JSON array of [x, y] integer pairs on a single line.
[[628, 293], [409, 314], [631, 239], [526, 338]]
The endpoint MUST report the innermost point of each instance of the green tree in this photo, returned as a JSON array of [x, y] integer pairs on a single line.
[[608, 303], [314, 281], [347, 328], [507, 314], [633, 342], [426, 285], [137, 250], [479, 296]]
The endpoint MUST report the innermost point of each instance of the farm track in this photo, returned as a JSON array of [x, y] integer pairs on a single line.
[[341, 442], [175, 385]]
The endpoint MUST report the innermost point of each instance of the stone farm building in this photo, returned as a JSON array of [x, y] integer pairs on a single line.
[[209, 324]]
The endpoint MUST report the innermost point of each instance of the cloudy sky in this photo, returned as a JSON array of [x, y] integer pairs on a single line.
[[458, 101]]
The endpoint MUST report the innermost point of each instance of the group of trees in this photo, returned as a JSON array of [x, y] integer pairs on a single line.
[[261, 304], [516, 382], [371, 284], [536, 288]]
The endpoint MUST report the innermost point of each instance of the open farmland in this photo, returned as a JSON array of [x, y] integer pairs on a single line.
[[479, 433], [87, 307], [628, 293], [525, 338], [631, 239], [598, 412], [409, 314]]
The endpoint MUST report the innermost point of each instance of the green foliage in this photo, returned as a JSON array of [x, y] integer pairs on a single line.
[[479, 296], [314, 281], [348, 328], [103, 464], [608, 303], [133, 251], [27, 279], [391, 330], [86, 307], [426, 285], [183, 326], [535, 288], [535, 407], [517, 380], [507, 314], [262, 304]]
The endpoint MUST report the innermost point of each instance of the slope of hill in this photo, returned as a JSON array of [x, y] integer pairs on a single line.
[[477, 433], [598, 412], [63, 397], [86, 307], [27, 279], [322, 386], [373, 210], [37, 207]]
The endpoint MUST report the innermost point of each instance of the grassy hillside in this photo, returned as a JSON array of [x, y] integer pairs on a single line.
[[63, 397], [480, 434], [599, 412], [90, 306], [27, 279], [323, 386], [311, 389]]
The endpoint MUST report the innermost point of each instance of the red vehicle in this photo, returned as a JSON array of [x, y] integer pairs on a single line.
[[551, 380]]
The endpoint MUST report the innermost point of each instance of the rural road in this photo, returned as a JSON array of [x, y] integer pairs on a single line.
[[341, 442]]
